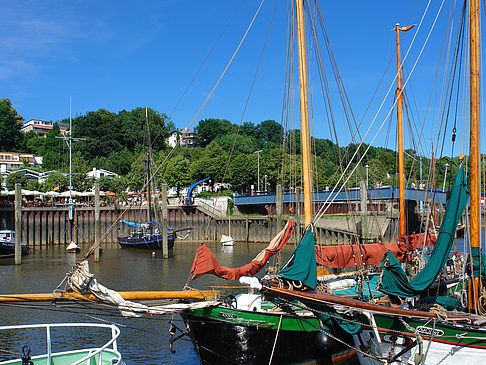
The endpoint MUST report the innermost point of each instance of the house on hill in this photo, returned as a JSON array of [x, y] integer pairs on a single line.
[[41, 127], [187, 138]]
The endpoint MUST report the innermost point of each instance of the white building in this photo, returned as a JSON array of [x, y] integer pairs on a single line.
[[99, 173], [41, 127], [187, 138], [16, 160]]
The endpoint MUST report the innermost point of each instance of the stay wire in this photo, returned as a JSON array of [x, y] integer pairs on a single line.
[[322, 211]]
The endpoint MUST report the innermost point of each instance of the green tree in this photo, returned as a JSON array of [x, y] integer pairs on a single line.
[[33, 143], [81, 182], [10, 125], [208, 129], [132, 126], [53, 151], [177, 172], [270, 131], [242, 172], [15, 178], [33, 185], [56, 178], [243, 143], [212, 163]]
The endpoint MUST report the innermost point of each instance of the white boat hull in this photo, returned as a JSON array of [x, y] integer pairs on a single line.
[[227, 240], [438, 352]]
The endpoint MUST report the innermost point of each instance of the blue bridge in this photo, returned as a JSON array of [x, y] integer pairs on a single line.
[[386, 193]]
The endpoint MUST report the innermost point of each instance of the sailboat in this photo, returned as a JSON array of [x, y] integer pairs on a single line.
[[246, 329], [243, 330], [147, 235], [408, 333], [227, 240]]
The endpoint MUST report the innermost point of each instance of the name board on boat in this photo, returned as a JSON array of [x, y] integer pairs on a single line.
[[429, 331], [227, 315]]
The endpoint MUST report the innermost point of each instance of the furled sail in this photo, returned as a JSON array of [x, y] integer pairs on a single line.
[[340, 256], [301, 266], [206, 263], [140, 225], [395, 281]]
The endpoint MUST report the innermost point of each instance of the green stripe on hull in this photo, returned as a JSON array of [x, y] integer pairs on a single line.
[[462, 335], [259, 319]]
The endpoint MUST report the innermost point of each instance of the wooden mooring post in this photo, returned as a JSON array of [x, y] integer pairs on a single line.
[[364, 209], [165, 244], [18, 224], [97, 233]]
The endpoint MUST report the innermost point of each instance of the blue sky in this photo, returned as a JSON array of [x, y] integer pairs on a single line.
[[125, 54]]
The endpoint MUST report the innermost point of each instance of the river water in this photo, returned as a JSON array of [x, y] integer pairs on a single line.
[[142, 340]]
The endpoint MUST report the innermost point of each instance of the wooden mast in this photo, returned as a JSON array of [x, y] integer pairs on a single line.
[[474, 139], [401, 169], [148, 173], [304, 114]]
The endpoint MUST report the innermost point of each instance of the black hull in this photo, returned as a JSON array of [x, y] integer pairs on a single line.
[[7, 250], [152, 243], [221, 342]]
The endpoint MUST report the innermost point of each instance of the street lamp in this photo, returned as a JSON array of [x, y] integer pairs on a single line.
[[258, 182], [366, 167], [445, 176], [266, 183]]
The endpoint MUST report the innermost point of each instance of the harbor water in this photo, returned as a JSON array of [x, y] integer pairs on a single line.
[[142, 340]]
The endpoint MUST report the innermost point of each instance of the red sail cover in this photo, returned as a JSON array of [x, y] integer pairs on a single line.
[[371, 253], [206, 263]]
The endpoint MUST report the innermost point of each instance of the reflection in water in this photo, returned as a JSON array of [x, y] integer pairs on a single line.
[[142, 340]]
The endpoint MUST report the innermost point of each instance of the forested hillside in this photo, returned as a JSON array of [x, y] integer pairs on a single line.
[[116, 142]]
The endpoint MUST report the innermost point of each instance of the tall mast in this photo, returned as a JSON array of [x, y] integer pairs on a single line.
[[401, 169], [147, 171], [474, 123], [474, 135], [69, 141], [71, 215], [304, 115]]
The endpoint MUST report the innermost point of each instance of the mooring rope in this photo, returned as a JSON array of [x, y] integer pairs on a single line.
[[276, 337]]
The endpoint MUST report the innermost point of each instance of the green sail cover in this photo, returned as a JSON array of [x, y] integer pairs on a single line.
[[479, 263], [301, 265], [395, 280]]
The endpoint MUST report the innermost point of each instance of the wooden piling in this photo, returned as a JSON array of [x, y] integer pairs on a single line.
[[165, 244], [18, 224], [97, 233], [364, 209]]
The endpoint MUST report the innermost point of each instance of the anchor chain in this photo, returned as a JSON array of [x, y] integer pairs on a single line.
[[172, 331]]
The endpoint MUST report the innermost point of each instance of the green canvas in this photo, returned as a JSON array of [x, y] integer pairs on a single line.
[[395, 280], [301, 265], [479, 263]]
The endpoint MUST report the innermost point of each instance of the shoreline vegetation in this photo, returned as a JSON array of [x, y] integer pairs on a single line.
[[116, 142]]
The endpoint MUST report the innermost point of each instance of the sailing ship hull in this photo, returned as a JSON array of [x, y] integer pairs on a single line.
[[224, 336], [451, 343], [146, 242]]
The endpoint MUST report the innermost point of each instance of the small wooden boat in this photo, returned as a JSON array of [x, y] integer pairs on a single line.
[[7, 244], [56, 336]]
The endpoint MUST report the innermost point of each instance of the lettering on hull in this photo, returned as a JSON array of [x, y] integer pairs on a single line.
[[428, 331]]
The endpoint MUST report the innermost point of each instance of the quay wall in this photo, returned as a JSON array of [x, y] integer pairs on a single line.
[[45, 226]]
